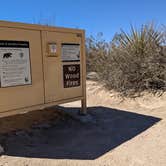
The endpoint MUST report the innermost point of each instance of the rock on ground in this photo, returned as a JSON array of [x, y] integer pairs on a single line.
[[1, 150]]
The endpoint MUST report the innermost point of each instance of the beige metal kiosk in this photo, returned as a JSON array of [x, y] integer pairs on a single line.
[[40, 66]]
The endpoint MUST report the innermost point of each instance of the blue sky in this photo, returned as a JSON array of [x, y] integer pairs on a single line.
[[106, 16]]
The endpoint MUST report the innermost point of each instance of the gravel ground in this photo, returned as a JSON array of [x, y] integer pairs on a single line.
[[115, 133]]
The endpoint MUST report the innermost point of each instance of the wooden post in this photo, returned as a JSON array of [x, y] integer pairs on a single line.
[[83, 110]]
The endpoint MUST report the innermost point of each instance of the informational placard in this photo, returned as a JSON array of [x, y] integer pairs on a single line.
[[70, 52], [14, 63], [71, 75], [52, 49]]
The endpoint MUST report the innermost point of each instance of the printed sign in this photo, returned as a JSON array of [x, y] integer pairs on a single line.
[[71, 75], [70, 52], [14, 63], [52, 48]]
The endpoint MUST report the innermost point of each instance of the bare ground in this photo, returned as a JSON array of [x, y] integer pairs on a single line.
[[122, 133]]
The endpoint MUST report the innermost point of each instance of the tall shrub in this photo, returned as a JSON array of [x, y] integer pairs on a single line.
[[133, 62], [97, 51]]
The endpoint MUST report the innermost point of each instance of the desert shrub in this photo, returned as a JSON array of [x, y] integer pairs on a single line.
[[97, 51], [133, 62]]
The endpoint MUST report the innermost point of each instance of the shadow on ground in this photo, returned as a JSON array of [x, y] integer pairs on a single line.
[[70, 139]]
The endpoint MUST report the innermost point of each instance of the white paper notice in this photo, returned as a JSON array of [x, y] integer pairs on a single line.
[[70, 52], [14, 63]]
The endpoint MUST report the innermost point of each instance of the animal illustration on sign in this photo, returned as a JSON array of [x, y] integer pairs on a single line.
[[7, 55]]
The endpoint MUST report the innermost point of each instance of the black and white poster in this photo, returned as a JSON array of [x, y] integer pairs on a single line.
[[14, 63], [70, 52], [71, 75]]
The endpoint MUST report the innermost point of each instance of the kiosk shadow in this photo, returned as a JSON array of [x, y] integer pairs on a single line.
[[70, 139]]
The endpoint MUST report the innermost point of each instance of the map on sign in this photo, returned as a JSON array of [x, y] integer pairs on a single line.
[[14, 63], [70, 52]]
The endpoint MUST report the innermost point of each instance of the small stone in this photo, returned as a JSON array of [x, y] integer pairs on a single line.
[[42, 126], [86, 119], [93, 76], [1, 150], [20, 133]]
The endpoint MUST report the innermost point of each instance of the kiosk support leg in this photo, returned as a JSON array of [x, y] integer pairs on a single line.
[[83, 110]]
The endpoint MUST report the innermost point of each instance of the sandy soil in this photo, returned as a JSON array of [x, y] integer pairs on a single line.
[[122, 133]]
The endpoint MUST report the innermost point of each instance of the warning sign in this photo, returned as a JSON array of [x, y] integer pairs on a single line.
[[71, 75], [70, 52], [14, 63]]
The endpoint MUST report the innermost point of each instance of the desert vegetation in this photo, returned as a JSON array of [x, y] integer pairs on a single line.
[[133, 62]]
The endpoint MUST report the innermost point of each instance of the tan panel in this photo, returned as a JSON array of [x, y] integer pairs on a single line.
[[29, 95], [39, 27], [53, 67]]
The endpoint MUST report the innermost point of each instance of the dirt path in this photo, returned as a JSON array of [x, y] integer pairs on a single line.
[[128, 133]]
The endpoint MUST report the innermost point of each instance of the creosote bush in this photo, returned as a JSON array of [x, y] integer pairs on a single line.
[[97, 53], [132, 62]]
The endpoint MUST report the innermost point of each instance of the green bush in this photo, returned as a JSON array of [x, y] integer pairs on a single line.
[[132, 63]]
